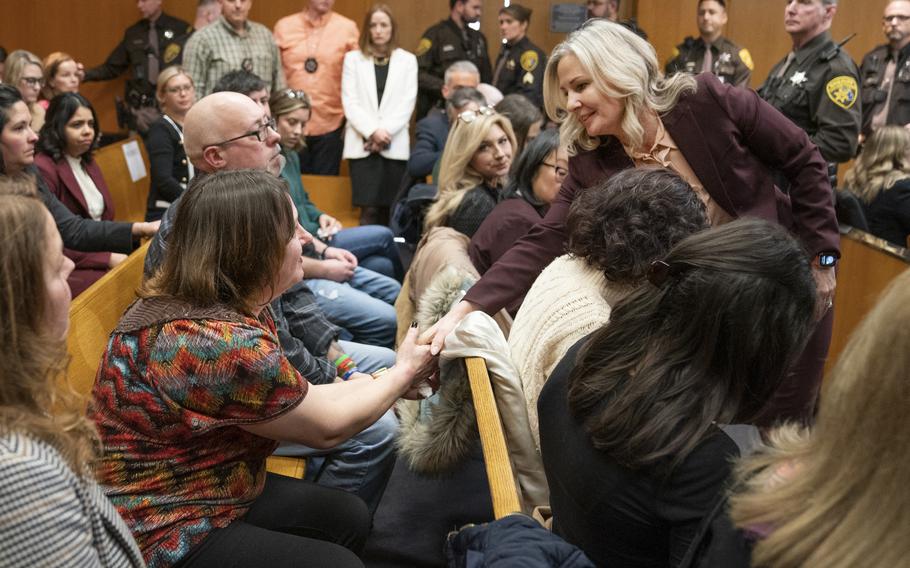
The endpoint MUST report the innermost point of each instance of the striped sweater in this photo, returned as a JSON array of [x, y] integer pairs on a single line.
[[49, 516]]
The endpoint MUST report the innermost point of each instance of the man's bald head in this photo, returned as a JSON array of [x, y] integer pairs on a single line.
[[220, 117]]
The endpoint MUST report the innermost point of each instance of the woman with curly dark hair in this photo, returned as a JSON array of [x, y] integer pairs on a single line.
[[615, 230], [640, 420], [64, 159]]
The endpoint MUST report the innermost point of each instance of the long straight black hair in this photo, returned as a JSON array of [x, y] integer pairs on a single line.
[[710, 342]]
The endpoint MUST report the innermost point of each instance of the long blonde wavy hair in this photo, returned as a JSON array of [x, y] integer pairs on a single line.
[[33, 399], [883, 161], [622, 66], [456, 176], [844, 501]]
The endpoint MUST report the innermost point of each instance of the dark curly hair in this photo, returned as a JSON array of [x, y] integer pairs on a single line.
[[625, 222], [52, 138]]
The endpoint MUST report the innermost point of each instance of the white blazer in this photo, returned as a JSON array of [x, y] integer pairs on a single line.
[[365, 114]]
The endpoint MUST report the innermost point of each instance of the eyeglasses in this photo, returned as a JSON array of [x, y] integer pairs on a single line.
[[180, 89], [561, 172], [261, 133], [33, 81], [899, 17], [470, 116]]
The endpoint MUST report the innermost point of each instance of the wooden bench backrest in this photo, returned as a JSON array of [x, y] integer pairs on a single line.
[[332, 195], [95, 313], [500, 476], [867, 266], [130, 198]]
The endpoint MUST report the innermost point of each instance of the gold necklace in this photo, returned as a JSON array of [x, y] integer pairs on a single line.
[[381, 61]]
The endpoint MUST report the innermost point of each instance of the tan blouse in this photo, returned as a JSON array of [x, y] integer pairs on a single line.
[[666, 154]]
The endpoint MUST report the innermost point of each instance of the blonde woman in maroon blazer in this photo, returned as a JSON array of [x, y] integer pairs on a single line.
[[741, 155], [65, 163]]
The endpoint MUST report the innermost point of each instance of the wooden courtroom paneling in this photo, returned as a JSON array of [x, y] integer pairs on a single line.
[[759, 26]]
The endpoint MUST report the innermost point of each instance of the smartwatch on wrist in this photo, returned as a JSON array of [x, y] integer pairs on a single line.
[[826, 259]]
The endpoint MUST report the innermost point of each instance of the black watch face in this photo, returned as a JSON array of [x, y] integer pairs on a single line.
[[827, 260]]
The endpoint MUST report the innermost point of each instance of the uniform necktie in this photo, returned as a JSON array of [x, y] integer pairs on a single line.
[[708, 64], [783, 68], [881, 115], [153, 53], [501, 64]]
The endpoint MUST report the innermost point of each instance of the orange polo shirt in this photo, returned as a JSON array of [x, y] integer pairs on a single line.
[[326, 41]]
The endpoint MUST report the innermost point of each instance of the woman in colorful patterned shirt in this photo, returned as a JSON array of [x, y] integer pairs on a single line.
[[194, 390]]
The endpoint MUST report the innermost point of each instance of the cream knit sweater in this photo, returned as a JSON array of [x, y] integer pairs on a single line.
[[568, 301]]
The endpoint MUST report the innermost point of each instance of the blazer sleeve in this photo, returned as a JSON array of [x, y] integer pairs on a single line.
[[356, 110], [406, 98], [87, 235], [162, 152], [514, 273], [425, 152], [783, 146]]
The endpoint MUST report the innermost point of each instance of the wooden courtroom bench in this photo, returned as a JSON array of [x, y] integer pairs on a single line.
[[332, 195], [130, 197], [867, 266], [96, 312]]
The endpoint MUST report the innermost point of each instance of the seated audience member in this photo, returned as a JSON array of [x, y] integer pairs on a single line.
[[834, 495], [616, 229], [525, 117], [431, 144], [246, 83], [536, 179], [186, 466], [61, 75], [17, 157], [362, 464], [171, 171], [373, 245], [432, 129], [355, 298], [23, 70], [473, 170], [64, 160], [880, 177], [52, 512], [634, 431]]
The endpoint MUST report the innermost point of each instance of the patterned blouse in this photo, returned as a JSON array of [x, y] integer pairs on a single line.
[[173, 387]]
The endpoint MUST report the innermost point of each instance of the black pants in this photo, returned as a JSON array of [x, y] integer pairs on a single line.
[[293, 523], [322, 155]]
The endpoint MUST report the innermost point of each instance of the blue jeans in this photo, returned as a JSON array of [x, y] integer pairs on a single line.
[[363, 306], [375, 248], [362, 465]]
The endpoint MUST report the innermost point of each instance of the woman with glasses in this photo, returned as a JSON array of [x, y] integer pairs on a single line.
[[171, 171], [473, 170], [537, 177], [64, 159], [61, 75], [378, 92], [373, 245], [24, 71], [618, 111]]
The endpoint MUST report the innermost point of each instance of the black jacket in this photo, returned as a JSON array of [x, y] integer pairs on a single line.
[[874, 96], [441, 45], [521, 70], [169, 167]]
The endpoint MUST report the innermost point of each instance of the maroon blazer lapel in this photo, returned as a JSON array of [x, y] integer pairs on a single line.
[[686, 132], [72, 186]]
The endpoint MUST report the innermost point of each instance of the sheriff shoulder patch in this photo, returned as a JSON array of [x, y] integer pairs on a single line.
[[171, 53], [424, 46], [746, 58], [842, 91], [529, 60]]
